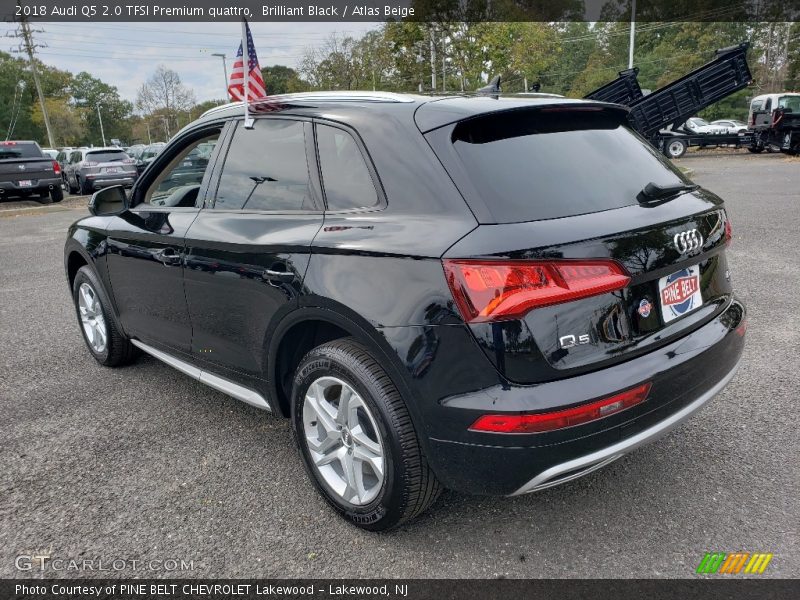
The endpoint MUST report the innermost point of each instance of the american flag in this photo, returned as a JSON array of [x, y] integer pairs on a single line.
[[255, 82]]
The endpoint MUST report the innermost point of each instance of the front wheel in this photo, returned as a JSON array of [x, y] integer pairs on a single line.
[[357, 440]]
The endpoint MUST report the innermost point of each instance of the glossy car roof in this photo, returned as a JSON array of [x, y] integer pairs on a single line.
[[429, 112]]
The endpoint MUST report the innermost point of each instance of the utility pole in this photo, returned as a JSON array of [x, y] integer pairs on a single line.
[[30, 48], [102, 131], [633, 34], [224, 71], [433, 62], [444, 65]]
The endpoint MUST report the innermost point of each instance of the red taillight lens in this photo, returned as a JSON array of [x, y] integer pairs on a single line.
[[56, 168], [487, 290], [728, 232], [550, 421]]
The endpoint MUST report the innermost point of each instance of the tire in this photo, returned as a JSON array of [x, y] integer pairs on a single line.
[[44, 198], [85, 189], [675, 148], [72, 189], [57, 194], [756, 149], [407, 486], [116, 349]]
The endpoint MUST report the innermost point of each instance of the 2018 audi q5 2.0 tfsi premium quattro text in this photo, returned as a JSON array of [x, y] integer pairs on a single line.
[[491, 295]]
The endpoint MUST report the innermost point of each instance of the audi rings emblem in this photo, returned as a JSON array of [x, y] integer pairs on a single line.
[[687, 241]]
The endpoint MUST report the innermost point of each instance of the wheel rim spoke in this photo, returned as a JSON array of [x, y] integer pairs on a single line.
[[343, 440], [91, 316]]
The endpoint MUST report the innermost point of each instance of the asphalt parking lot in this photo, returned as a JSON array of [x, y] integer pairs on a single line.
[[143, 463]]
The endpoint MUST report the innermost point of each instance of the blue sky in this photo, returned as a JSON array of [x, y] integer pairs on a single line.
[[125, 54]]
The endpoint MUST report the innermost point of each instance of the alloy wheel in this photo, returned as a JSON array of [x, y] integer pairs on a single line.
[[343, 440], [92, 319]]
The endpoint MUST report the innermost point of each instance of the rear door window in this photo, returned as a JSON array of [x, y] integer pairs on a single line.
[[266, 169], [546, 164]]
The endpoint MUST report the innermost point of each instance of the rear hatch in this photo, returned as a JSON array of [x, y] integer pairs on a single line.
[[110, 163], [23, 164], [574, 267]]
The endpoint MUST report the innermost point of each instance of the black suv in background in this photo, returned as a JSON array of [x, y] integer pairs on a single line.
[[488, 295]]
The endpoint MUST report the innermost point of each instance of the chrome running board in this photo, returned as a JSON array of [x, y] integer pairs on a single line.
[[583, 465], [214, 381]]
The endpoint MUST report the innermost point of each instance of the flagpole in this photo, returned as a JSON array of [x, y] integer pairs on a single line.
[[248, 122]]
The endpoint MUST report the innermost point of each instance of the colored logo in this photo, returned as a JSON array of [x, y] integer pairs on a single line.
[[679, 292], [734, 563], [644, 308]]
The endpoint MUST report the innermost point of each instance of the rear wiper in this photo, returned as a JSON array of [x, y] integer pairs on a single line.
[[654, 192]]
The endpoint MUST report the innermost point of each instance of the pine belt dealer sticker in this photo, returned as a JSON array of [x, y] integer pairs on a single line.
[[680, 293]]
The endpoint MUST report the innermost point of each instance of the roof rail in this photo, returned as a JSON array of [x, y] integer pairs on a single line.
[[335, 96]]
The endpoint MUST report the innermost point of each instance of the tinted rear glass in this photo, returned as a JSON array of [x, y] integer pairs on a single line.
[[106, 156], [20, 151], [547, 164]]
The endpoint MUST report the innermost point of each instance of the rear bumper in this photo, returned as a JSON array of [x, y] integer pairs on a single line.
[[97, 182], [685, 375], [38, 186], [582, 465]]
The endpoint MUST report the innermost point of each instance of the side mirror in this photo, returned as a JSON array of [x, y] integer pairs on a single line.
[[109, 201]]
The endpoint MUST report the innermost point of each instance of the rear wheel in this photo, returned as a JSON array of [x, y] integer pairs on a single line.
[[72, 189], [357, 440], [676, 148], [57, 194], [84, 187], [106, 343]]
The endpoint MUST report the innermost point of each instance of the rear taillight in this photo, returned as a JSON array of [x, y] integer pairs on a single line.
[[56, 168], [728, 231], [486, 290], [550, 421]]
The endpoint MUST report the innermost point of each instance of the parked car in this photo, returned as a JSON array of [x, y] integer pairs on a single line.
[[489, 295], [731, 125], [147, 155], [698, 125], [90, 169], [25, 171]]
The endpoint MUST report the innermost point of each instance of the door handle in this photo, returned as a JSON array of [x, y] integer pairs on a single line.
[[169, 256], [278, 276]]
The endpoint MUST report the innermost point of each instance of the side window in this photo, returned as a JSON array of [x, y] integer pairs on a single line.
[[178, 183], [266, 169], [76, 157], [345, 176]]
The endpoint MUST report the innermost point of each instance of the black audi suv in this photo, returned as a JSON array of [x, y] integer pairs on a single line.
[[491, 295]]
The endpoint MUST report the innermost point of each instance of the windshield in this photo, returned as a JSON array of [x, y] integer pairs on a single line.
[[546, 165], [791, 102], [698, 122]]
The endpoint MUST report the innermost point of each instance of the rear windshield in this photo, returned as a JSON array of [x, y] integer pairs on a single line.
[[20, 151], [552, 163], [106, 155]]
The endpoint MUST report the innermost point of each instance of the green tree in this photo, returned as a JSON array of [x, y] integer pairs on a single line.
[[279, 79]]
